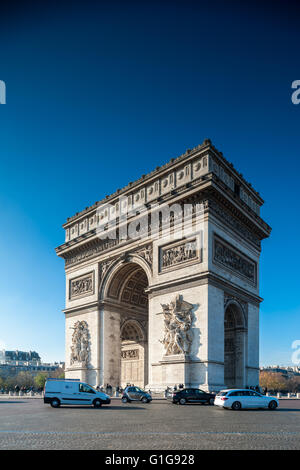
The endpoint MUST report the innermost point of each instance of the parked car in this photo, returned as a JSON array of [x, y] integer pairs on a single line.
[[72, 392], [244, 398], [133, 393], [192, 395]]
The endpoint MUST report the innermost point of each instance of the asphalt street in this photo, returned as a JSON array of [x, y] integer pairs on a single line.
[[160, 425]]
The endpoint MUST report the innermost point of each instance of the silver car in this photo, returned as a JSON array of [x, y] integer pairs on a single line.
[[133, 393]]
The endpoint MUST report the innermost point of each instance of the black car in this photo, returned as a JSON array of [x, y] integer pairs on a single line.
[[193, 395]]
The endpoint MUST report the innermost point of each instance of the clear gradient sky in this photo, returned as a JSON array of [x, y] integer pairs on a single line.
[[99, 93]]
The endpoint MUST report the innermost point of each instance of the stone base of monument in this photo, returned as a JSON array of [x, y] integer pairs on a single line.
[[78, 371], [180, 369], [171, 370]]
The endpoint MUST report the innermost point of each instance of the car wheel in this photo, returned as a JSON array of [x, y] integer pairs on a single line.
[[124, 400], [97, 403], [144, 400], [182, 401], [272, 405], [236, 405], [55, 403], [211, 401]]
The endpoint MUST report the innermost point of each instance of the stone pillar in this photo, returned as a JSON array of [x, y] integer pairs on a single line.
[[240, 358], [278, 395], [110, 348]]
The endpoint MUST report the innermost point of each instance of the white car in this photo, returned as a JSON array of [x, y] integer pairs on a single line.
[[72, 392], [237, 399]]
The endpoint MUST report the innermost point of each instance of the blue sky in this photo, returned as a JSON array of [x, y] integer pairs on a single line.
[[100, 93]]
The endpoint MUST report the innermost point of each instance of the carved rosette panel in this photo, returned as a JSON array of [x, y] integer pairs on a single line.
[[81, 286], [178, 334], [226, 255], [80, 348]]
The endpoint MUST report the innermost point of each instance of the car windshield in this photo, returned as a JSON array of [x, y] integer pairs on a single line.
[[221, 394], [86, 388]]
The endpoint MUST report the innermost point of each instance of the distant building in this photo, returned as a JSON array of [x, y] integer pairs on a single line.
[[16, 357], [13, 362], [287, 372]]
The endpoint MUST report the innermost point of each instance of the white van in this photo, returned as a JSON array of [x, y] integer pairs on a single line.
[[72, 392]]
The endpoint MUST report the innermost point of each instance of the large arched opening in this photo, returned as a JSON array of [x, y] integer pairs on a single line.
[[234, 346], [124, 295], [133, 354]]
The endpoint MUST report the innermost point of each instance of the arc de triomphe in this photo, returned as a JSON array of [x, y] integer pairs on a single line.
[[162, 279]]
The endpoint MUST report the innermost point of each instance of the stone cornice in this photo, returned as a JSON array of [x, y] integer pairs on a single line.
[[215, 201], [217, 163], [201, 279]]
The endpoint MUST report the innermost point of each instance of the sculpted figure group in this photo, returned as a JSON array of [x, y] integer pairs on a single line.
[[80, 343], [178, 321]]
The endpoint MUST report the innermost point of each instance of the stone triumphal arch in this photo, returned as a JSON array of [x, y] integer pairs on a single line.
[[162, 279]]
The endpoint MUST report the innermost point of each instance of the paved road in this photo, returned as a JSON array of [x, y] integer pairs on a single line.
[[29, 424]]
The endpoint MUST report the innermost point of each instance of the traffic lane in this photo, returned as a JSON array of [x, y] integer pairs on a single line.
[[160, 425], [158, 415]]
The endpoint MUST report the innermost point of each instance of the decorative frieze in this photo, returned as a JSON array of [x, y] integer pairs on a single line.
[[227, 256], [130, 354], [233, 222], [82, 286], [179, 253], [90, 252]]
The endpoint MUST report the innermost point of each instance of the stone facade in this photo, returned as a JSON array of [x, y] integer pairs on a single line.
[[179, 304]]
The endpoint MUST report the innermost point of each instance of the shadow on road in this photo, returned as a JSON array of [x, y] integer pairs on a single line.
[[287, 409], [11, 401], [102, 408]]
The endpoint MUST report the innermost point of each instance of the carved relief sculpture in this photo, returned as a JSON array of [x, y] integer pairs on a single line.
[[82, 286], [178, 321], [80, 344], [180, 253], [233, 260], [130, 354], [147, 253]]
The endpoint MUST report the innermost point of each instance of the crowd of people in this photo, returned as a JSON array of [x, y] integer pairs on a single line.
[[108, 389], [17, 389]]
